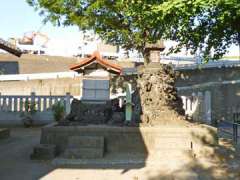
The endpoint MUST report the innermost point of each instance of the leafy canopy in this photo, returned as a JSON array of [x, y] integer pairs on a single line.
[[198, 25]]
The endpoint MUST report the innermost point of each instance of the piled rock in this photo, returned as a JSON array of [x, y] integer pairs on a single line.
[[156, 100], [87, 113], [91, 113]]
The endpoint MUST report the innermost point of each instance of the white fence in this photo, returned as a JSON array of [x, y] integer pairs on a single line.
[[11, 107], [198, 106]]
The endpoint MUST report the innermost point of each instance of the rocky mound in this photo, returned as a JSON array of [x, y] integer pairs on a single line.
[[156, 100]]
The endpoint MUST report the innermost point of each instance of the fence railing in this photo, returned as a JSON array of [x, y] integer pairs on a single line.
[[15, 103], [229, 129], [198, 106]]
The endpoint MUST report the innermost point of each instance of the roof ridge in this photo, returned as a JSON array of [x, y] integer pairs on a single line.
[[97, 57]]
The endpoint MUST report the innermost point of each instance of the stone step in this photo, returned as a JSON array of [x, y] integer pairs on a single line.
[[122, 160], [86, 142], [44, 152], [83, 153]]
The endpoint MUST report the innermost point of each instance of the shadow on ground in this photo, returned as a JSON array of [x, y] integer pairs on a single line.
[[218, 162]]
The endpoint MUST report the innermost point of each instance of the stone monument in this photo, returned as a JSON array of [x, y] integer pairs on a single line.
[[158, 102]]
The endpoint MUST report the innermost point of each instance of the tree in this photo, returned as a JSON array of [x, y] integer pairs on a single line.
[[199, 25]]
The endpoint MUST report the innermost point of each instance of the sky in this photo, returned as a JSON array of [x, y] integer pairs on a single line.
[[17, 17]]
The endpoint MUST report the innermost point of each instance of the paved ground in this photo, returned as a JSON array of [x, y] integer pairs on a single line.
[[14, 156], [15, 164]]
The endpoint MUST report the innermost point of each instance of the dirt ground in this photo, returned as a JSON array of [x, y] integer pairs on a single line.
[[16, 164]]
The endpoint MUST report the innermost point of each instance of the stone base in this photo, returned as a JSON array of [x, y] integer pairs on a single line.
[[148, 141], [130, 160], [83, 153], [4, 133], [84, 147], [44, 152]]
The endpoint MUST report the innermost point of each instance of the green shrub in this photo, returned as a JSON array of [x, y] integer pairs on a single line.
[[30, 107], [58, 111], [27, 115]]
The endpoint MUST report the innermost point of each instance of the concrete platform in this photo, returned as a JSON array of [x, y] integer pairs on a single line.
[[145, 140], [134, 161]]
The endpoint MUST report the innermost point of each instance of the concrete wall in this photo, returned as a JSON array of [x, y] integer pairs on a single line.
[[42, 87], [222, 83], [15, 119]]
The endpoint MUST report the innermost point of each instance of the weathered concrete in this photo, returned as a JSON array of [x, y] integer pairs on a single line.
[[44, 152], [84, 147], [145, 140], [223, 85], [59, 86], [15, 119], [4, 133]]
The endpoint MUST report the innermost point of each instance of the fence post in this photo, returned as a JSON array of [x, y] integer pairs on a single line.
[[68, 104], [33, 97], [0, 101], [235, 133], [200, 106], [10, 104]]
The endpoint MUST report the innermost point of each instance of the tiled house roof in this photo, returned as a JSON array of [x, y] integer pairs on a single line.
[[10, 48], [109, 66]]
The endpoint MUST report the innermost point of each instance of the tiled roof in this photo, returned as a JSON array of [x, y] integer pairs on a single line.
[[98, 59], [10, 48]]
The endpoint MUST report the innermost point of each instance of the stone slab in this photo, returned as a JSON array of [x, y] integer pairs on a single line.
[[86, 142], [4, 133], [44, 152], [83, 153]]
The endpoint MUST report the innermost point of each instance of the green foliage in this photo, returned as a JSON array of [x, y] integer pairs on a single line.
[[27, 115], [58, 111], [30, 107], [198, 25]]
